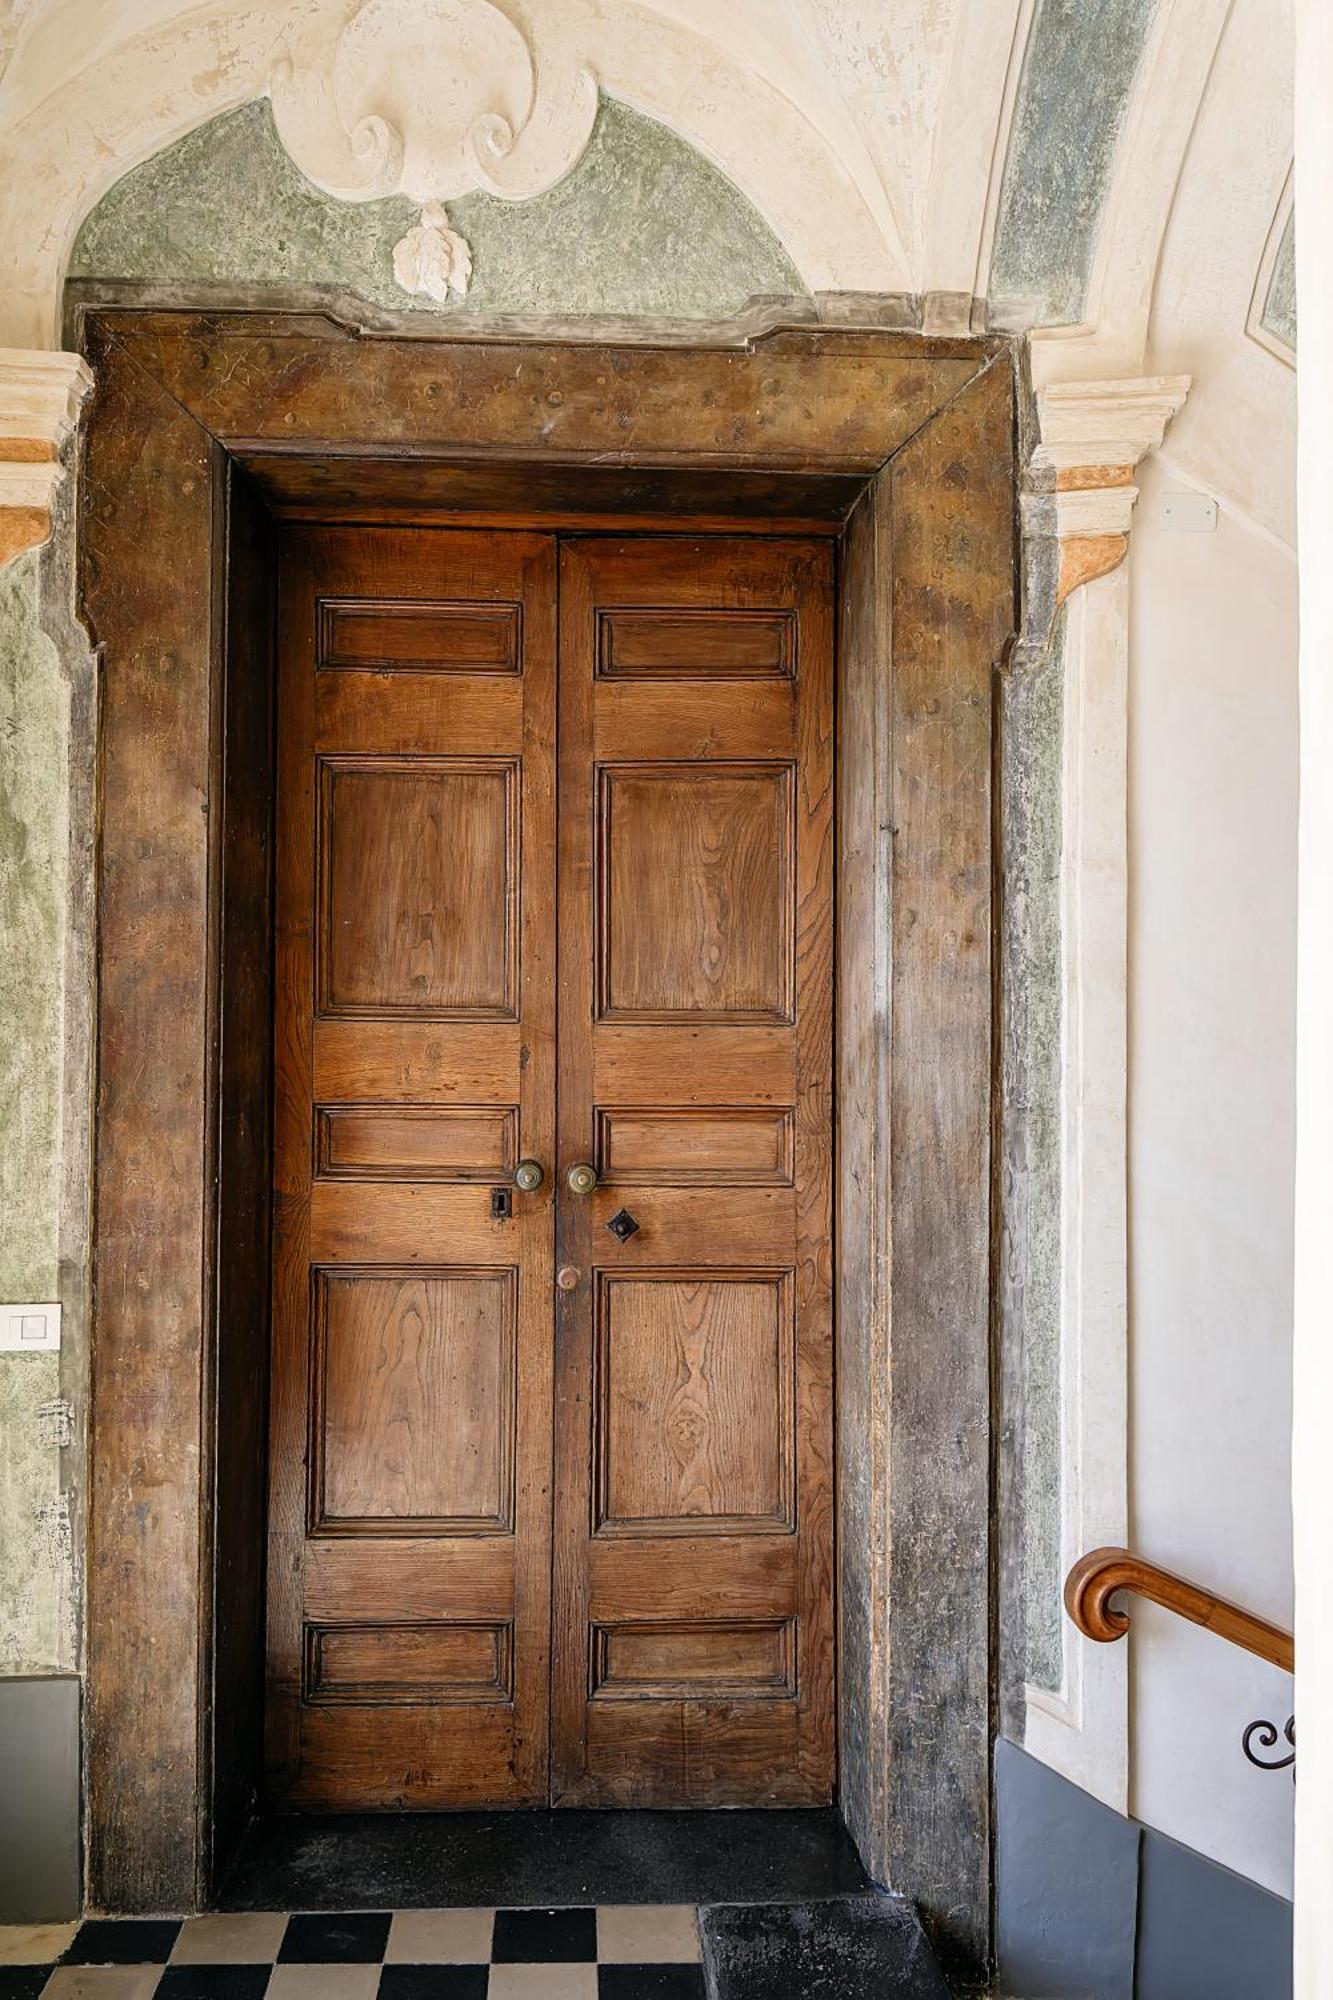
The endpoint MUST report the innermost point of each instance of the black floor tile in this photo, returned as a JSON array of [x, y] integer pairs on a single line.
[[460, 1860], [650, 1982], [23, 1982], [213, 1982], [354, 1938], [433, 1982], [544, 1937], [123, 1941], [855, 1948]]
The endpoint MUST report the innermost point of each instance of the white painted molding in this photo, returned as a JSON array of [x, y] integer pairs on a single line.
[[40, 395], [1081, 512], [1112, 423], [1091, 437]]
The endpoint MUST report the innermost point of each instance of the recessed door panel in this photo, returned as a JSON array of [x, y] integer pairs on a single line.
[[693, 1412], [412, 1410]]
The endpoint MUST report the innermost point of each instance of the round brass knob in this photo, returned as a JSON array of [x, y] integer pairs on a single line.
[[567, 1278], [528, 1175], [581, 1179]]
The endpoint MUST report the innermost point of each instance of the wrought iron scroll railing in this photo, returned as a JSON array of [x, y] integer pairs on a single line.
[[1104, 1573]]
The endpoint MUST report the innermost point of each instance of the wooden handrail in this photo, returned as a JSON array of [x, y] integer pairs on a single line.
[[1095, 1577]]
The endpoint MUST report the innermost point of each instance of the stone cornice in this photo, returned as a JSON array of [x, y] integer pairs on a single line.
[[40, 396], [1092, 435]]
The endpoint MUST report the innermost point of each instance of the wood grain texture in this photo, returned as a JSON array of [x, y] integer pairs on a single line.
[[419, 871], [695, 1360], [391, 1664], [150, 484], [416, 1142], [258, 379], [370, 635], [639, 643], [1096, 1577], [695, 892], [412, 1418], [410, 1467], [236, 1398], [732, 1145], [951, 607], [662, 1661], [693, 1403]]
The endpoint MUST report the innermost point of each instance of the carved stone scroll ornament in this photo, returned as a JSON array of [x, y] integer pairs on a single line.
[[1082, 492], [432, 99], [40, 394]]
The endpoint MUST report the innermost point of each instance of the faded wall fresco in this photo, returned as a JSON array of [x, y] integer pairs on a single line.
[[643, 224], [36, 1575], [1077, 79], [1033, 836]]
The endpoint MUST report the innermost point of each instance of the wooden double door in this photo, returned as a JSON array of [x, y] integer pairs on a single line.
[[551, 1468]]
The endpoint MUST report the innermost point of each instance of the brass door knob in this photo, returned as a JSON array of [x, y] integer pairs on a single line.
[[528, 1175], [581, 1179]]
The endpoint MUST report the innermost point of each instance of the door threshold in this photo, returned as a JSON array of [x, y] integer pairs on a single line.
[[540, 1858]]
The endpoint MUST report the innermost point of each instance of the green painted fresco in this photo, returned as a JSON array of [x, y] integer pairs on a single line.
[[643, 224], [1280, 305], [34, 1564], [1078, 75], [1034, 833]]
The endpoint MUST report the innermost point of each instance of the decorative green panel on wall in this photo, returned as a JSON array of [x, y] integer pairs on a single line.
[[1078, 75], [643, 224]]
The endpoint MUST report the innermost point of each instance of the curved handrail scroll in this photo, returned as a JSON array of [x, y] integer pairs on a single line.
[[1096, 1577]]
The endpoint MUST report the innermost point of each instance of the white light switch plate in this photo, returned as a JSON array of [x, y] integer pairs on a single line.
[[1188, 513], [29, 1329]]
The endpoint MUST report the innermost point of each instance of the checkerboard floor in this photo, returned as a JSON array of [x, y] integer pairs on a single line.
[[627, 1952]]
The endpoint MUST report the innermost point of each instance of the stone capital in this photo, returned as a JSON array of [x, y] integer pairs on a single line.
[[1082, 492], [40, 395]]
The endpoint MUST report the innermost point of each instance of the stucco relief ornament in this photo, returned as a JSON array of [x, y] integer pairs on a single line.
[[431, 99], [433, 259]]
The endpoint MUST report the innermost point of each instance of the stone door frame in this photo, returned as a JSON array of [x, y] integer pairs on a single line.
[[201, 427]]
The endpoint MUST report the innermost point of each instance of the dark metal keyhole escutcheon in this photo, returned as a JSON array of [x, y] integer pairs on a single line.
[[622, 1225]]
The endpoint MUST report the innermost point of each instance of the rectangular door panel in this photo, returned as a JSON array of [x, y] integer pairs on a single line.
[[693, 1635], [409, 1562]]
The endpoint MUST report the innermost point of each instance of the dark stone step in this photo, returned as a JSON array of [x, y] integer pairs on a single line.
[[868, 1947], [401, 1861]]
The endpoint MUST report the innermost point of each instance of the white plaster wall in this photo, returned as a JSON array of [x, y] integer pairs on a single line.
[[1212, 914]]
